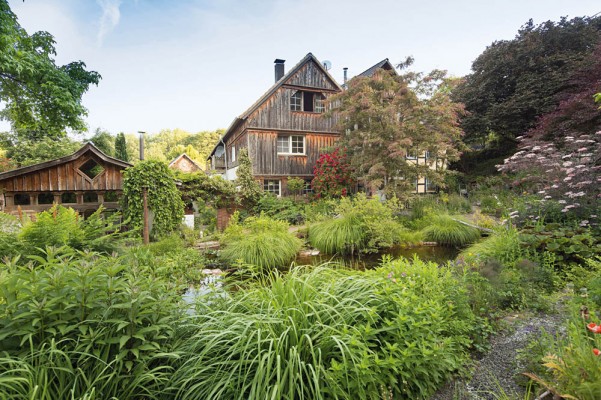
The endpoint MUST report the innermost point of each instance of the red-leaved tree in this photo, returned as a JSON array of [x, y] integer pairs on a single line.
[[333, 177]]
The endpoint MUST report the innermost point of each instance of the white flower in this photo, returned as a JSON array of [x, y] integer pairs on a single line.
[[562, 201]]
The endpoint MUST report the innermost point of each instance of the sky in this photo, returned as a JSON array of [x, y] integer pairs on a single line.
[[197, 64]]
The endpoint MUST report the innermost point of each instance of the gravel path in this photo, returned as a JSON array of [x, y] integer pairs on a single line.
[[496, 371]]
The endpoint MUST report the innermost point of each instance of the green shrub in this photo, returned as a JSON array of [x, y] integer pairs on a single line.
[[503, 245], [57, 226], [85, 326], [9, 223], [260, 241], [458, 204], [282, 209], [395, 332], [448, 231]]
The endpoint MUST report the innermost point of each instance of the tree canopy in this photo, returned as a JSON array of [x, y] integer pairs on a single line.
[[387, 117], [514, 82], [41, 99]]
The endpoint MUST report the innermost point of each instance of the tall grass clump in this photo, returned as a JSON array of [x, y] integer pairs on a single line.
[[503, 245], [361, 225], [445, 230], [395, 332], [260, 241]]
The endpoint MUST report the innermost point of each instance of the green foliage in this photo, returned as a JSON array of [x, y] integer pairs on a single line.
[[27, 152], [385, 117], [361, 225], [41, 99], [571, 367], [295, 185], [516, 81], [58, 227], [397, 332], [104, 141], [448, 231], [248, 188], [83, 326], [279, 208], [164, 199], [121, 148], [261, 242], [170, 143], [212, 190], [62, 226], [570, 245]]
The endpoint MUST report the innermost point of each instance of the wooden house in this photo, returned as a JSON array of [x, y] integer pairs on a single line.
[[83, 180], [185, 164], [285, 130]]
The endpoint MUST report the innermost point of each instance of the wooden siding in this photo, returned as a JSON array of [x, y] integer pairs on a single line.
[[65, 178], [266, 161], [275, 113], [310, 75]]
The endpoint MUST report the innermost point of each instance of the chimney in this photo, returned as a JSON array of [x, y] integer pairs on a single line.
[[345, 69], [279, 69], [141, 145]]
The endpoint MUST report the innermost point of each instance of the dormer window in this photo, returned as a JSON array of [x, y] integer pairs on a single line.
[[307, 101]]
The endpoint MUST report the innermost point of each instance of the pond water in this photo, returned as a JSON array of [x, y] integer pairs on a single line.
[[437, 254]]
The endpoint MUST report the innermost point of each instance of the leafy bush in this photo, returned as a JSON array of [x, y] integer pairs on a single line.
[[164, 199], [260, 241], [8, 223], [84, 326], [395, 332], [57, 226], [282, 209], [362, 225], [448, 231]]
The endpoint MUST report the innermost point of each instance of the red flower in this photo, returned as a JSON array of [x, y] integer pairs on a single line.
[[597, 352], [594, 327]]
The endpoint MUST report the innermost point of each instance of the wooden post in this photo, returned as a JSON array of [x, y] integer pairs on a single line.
[[146, 233]]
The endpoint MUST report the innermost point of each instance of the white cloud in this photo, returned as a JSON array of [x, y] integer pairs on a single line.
[[109, 19]]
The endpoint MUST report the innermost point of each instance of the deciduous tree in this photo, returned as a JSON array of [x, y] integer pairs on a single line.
[[41, 99], [387, 117], [513, 82]]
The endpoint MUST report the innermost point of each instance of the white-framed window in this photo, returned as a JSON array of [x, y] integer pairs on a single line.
[[320, 105], [307, 101], [233, 153], [272, 186], [296, 101], [293, 144]]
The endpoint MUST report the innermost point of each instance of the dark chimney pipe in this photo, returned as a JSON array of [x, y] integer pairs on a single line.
[[345, 69], [279, 69]]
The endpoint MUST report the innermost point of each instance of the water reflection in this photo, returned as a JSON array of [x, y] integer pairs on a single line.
[[437, 254]]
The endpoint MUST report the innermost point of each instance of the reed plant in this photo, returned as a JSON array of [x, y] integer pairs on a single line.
[[448, 231], [260, 241]]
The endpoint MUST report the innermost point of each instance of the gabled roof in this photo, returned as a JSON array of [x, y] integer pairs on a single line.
[[52, 163], [238, 120], [184, 155], [384, 64]]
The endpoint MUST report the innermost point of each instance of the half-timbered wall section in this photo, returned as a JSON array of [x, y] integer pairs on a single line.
[[82, 180], [286, 130]]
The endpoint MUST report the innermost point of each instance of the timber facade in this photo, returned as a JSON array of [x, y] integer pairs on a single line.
[[83, 180], [285, 131]]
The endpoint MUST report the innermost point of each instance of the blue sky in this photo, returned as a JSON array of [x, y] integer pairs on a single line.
[[196, 64]]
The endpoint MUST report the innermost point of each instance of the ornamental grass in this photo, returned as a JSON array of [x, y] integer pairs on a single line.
[[395, 332], [447, 231], [260, 241]]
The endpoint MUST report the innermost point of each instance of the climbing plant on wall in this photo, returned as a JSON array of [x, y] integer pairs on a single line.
[[164, 200]]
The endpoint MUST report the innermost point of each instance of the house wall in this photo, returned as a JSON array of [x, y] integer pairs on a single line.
[[263, 152]]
